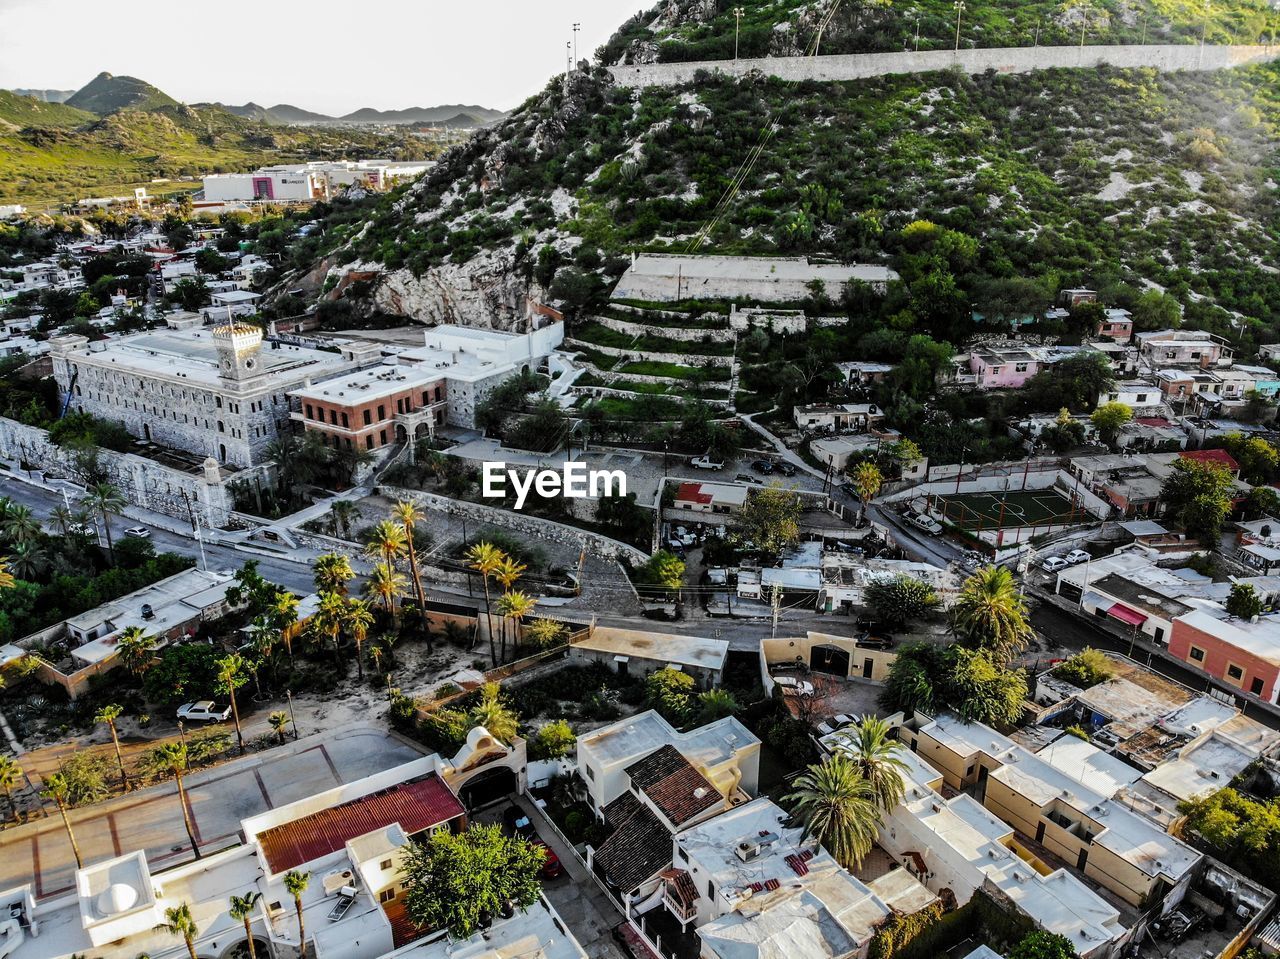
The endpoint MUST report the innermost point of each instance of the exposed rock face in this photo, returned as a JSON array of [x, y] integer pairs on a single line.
[[488, 292]]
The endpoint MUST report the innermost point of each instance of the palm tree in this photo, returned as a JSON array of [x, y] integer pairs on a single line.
[[387, 542], [231, 677], [173, 756], [343, 511], [105, 499], [329, 618], [6, 578], [58, 789], [514, 607], [867, 480], [387, 585], [990, 614], [108, 715], [485, 559], [242, 911], [358, 621], [508, 571], [284, 614], [870, 746], [295, 883], [332, 572], [20, 524], [279, 722], [136, 649], [409, 514], [494, 714], [179, 922], [715, 704], [839, 809], [64, 517], [10, 778], [29, 560]]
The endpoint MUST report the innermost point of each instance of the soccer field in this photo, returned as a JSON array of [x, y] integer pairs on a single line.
[[1000, 510]]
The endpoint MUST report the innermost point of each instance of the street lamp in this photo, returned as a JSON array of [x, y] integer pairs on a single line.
[[959, 11], [918, 34], [576, 28]]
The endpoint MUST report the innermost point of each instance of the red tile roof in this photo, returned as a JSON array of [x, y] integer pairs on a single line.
[[692, 493], [415, 806], [1221, 457]]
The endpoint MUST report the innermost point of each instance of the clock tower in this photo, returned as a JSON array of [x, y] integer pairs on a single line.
[[239, 362]]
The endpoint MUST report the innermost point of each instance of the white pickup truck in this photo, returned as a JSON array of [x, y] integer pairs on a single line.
[[205, 711], [707, 462]]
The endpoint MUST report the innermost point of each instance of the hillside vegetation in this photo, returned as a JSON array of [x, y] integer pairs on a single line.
[[106, 94], [18, 111]]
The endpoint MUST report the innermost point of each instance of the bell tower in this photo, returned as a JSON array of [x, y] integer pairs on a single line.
[[239, 346]]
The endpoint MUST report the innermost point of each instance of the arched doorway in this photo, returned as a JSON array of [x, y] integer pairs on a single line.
[[488, 787], [830, 660]]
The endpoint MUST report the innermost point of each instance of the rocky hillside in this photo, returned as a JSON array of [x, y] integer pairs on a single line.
[[106, 94]]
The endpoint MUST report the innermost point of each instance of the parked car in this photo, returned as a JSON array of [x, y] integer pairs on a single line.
[[791, 686], [1051, 564], [516, 822], [551, 865], [928, 524], [763, 466], [707, 462], [1078, 556], [785, 468], [138, 532], [205, 711]]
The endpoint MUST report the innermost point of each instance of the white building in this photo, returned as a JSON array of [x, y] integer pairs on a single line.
[[308, 182]]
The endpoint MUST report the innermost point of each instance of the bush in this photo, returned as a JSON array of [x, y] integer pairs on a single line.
[[1085, 669], [553, 740]]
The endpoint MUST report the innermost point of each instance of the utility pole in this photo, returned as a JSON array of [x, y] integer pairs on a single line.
[[737, 26], [1037, 40], [1084, 24], [775, 600], [576, 28], [917, 34], [959, 11]]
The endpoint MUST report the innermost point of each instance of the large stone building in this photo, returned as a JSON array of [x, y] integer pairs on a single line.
[[213, 392]]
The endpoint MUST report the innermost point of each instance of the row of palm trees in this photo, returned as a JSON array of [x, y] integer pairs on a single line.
[[513, 605], [179, 922], [22, 529]]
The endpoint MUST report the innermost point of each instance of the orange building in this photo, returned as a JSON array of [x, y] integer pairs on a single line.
[[373, 408]]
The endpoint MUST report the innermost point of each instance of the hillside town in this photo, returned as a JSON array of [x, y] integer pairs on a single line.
[[438, 559]]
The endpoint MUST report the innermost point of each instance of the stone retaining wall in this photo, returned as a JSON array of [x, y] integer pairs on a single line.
[[683, 334], [637, 354], [860, 66]]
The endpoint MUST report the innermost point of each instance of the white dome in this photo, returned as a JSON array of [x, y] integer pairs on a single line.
[[117, 898]]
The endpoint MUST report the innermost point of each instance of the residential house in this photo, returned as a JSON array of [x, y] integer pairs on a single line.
[[1136, 394], [1116, 324], [721, 498], [864, 372], [1076, 296], [1194, 348], [1245, 653], [845, 417], [1003, 368], [637, 653], [372, 408]]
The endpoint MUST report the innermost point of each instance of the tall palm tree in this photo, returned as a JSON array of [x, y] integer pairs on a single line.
[[839, 809], [242, 911], [387, 542], [870, 746], [108, 715], [295, 883], [990, 614], [173, 756], [29, 560], [20, 524], [58, 789], [358, 620], [514, 607], [279, 723], [329, 618], [179, 922], [10, 779], [105, 499], [7, 580], [332, 572], [867, 480], [284, 615], [409, 514], [231, 676], [343, 512], [508, 572], [136, 649], [485, 559], [494, 714], [64, 517], [387, 585]]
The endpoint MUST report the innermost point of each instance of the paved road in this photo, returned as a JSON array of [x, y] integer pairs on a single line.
[[918, 545]]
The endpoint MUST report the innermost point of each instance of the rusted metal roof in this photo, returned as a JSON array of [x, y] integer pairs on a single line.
[[415, 806]]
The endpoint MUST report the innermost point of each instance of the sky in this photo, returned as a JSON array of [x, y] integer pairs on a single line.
[[332, 56]]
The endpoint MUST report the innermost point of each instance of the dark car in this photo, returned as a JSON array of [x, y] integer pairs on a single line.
[[763, 466], [786, 469], [516, 822]]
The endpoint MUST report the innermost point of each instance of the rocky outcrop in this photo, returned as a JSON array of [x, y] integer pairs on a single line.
[[488, 292]]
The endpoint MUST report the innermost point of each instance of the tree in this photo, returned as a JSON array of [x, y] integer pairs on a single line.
[[191, 293], [901, 599], [1154, 310], [485, 558], [982, 690], [1108, 419], [295, 884], [839, 809], [387, 542], [911, 685], [182, 673], [279, 723], [10, 778], [1199, 495], [990, 614], [869, 744], [1086, 669], [867, 480], [20, 524], [331, 573], [546, 633], [670, 692], [242, 911], [461, 881], [714, 704], [107, 716], [105, 499], [409, 514], [231, 677], [494, 714], [1244, 601], [553, 741], [179, 922], [386, 585], [770, 518], [1258, 459], [57, 788], [663, 570], [514, 606], [173, 757], [136, 649], [358, 621], [1043, 945], [6, 578]]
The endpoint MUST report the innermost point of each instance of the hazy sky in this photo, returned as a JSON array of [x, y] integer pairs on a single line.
[[333, 56]]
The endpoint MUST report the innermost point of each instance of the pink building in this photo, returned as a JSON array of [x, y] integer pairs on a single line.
[[1243, 653], [1002, 369]]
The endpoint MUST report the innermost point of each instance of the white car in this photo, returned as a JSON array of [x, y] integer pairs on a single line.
[[928, 524], [1078, 556], [791, 686], [1051, 564], [706, 463], [138, 532]]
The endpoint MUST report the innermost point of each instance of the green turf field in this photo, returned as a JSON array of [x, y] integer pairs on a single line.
[[1010, 510]]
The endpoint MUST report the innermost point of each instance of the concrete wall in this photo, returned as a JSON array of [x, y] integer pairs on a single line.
[[777, 651], [636, 354], [685, 335], [1167, 57]]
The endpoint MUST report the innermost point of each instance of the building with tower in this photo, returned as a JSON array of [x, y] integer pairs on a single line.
[[213, 391]]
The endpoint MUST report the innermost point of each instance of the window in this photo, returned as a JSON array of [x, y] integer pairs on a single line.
[[382, 412], [386, 864], [711, 889], [383, 437], [368, 442], [1256, 686], [969, 771], [368, 418], [590, 773], [1196, 654], [333, 417], [345, 422], [1235, 672], [387, 895], [310, 412], [1020, 368]]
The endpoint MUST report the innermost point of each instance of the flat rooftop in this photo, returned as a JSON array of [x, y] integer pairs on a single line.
[[375, 383], [692, 651], [1261, 639], [636, 736], [539, 933]]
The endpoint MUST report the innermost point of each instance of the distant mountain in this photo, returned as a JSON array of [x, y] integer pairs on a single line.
[[106, 94], [287, 113], [25, 111], [432, 115], [46, 96]]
